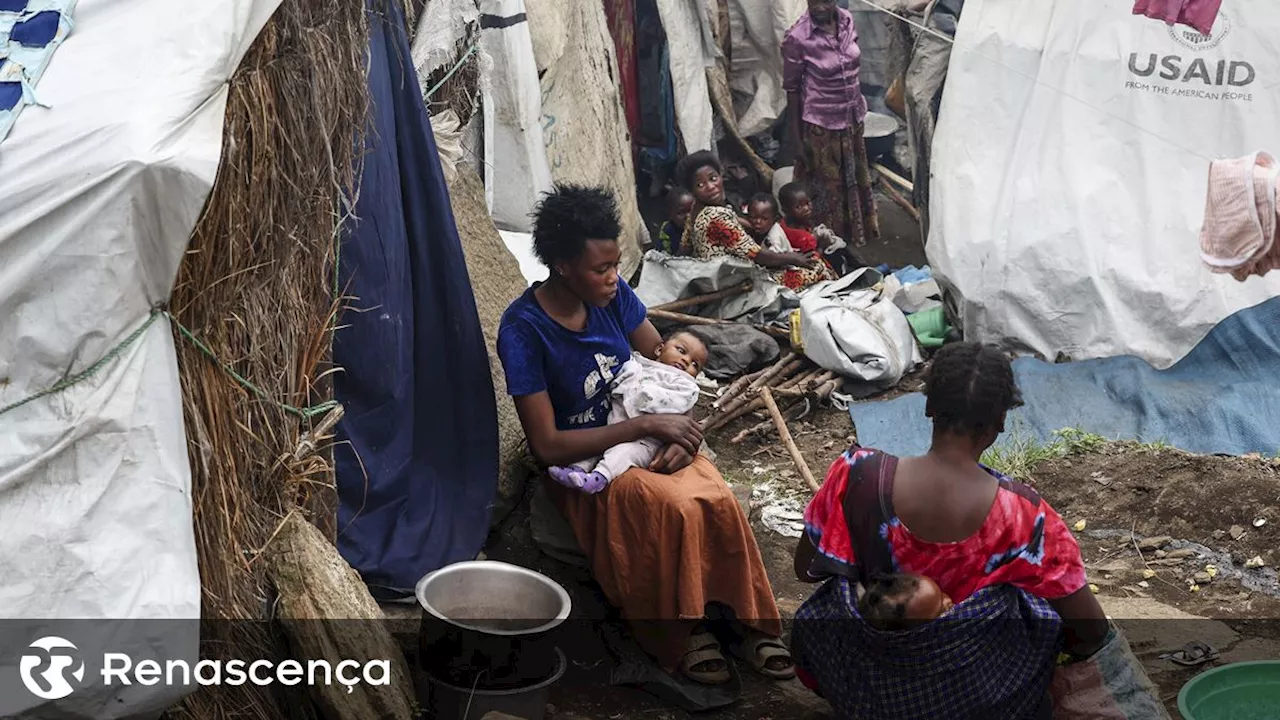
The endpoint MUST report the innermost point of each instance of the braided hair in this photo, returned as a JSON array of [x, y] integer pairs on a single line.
[[970, 388]]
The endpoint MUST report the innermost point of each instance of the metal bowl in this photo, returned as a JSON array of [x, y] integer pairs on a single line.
[[878, 131], [494, 598]]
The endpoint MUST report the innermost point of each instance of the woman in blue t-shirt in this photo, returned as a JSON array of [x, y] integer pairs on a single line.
[[666, 542]]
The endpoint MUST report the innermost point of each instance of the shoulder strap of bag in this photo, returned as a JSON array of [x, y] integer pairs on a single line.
[[868, 505]]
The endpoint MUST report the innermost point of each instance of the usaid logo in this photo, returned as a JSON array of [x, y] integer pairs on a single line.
[[1196, 40], [45, 672]]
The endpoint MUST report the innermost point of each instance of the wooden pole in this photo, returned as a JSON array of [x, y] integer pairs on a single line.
[[754, 380], [697, 300], [764, 425], [731, 407], [894, 177], [901, 201], [736, 387], [682, 318], [772, 406]]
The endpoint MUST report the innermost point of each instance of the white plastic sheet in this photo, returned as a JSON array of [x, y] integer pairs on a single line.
[[757, 28], [851, 327], [1066, 210], [99, 194], [665, 279], [517, 170], [690, 56]]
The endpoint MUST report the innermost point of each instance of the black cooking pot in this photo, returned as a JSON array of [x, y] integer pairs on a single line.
[[879, 131]]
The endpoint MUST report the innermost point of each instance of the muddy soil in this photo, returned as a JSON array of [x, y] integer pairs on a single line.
[[1194, 500], [1207, 506]]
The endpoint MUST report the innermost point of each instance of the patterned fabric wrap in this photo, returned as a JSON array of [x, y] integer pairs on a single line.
[[716, 232], [835, 166], [991, 656]]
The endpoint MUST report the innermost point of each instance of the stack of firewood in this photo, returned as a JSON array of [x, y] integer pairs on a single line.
[[793, 380]]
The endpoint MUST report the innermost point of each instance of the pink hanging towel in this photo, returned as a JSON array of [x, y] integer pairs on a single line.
[[1198, 14], [1239, 231]]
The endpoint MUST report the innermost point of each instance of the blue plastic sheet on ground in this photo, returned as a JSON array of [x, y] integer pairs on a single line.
[[1223, 397], [417, 451]]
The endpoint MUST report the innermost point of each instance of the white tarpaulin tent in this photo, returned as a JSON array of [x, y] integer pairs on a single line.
[[99, 194], [1066, 209], [757, 28]]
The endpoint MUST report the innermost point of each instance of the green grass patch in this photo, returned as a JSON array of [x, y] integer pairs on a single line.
[[1019, 453]]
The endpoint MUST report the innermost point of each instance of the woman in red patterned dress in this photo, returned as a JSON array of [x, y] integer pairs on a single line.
[[947, 517], [716, 231]]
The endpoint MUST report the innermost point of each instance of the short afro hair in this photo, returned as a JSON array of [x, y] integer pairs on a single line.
[[884, 604], [788, 193], [676, 195], [570, 215], [970, 388], [694, 162], [766, 198]]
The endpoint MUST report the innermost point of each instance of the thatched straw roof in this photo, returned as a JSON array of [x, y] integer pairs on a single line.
[[256, 288]]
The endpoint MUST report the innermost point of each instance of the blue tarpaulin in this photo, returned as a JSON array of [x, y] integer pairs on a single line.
[[1223, 397], [417, 451]]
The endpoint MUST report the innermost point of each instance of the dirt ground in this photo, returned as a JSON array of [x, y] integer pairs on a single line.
[[1208, 507], [1193, 500]]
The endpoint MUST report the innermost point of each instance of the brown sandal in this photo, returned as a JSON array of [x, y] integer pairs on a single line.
[[703, 651]]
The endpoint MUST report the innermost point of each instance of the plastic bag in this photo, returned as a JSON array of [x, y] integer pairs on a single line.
[[1110, 685], [848, 326]]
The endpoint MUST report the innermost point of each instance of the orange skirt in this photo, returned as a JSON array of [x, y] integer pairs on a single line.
[[662, 547]]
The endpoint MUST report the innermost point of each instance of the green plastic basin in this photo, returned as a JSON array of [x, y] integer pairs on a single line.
[[1240, 691]]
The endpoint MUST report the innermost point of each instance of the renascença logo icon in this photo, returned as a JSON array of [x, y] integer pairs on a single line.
[[51, 682]]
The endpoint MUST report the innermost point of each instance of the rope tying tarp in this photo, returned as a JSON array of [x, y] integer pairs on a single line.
[[305, 413]]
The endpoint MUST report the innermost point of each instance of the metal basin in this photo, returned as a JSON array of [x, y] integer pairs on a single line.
[[494, 598], [493, 615]]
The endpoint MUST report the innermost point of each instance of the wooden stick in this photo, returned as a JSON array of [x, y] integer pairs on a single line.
[[800, 378], [696, 320], [737, 386], [894, 177], [901, 201], [756, 380], [783, 432], [764, 425], [751, 405], [770, 376], [697, 300]]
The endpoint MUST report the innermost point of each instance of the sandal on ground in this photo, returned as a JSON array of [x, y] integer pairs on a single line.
[[704, 663], [1192, 654], [767, 655]]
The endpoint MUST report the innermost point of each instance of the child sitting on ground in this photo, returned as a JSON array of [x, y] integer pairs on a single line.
[[642, 387], [902, 601], [798, 224], [679, 207]]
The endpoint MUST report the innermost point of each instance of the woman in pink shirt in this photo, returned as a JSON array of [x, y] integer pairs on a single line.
[[826, 111]]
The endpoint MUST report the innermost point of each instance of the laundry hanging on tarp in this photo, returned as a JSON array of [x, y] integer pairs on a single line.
[[1198, 14], [1238, 235]]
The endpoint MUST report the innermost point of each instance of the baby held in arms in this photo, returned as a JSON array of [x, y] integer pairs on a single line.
[[902, 601], [642, 387]]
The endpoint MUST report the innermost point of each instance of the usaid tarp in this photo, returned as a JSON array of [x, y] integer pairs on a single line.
[[1070, 169], [99, 193]]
